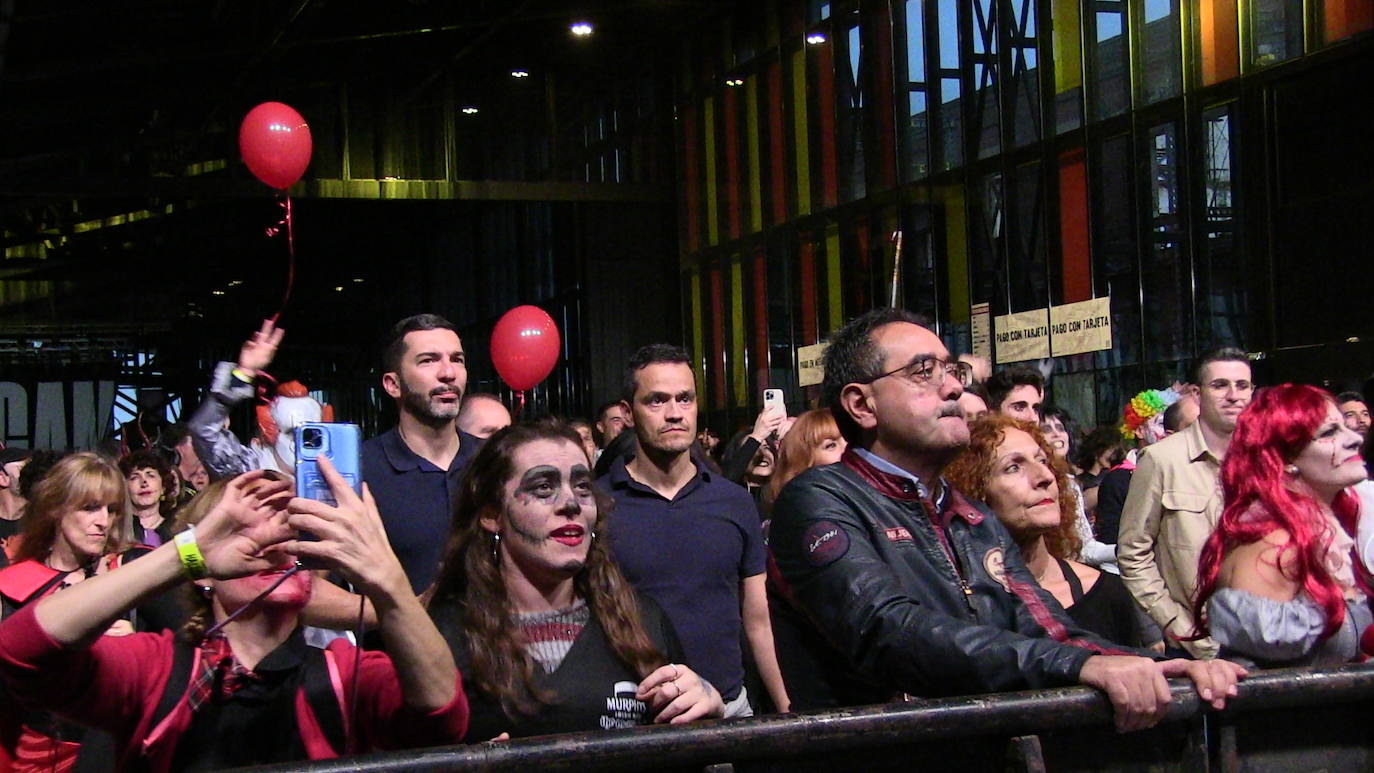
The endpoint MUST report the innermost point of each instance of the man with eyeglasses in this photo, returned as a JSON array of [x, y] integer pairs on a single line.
[[1174, 503], [897, 584]]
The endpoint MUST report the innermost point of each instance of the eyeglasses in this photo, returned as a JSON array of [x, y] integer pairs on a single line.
[[923, 372]]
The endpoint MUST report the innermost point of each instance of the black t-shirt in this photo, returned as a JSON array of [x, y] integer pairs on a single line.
[[10, 528], [1107, 609], [593, 689], [257, 724], [1111, 497]]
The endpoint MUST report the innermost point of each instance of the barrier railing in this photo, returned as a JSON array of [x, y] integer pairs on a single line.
[[1287, 719]]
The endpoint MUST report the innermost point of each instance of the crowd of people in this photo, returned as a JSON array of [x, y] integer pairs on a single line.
[[933, 528]]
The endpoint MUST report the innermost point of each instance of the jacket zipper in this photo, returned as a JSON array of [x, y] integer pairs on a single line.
[[949, 554]]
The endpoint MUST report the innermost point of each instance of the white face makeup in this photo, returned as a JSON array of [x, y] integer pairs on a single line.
[[1332, 460], [1058, 437], [550, 512]]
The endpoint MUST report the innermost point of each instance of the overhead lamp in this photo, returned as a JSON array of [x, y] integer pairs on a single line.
[[470, 110], [734, 81], [816, 38], [581, 29], [519, 73], [338, 289]]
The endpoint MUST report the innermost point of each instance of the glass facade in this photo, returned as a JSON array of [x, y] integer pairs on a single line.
[[1032, 153]]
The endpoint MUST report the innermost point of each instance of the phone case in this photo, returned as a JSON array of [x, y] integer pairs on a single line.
[[341, 443]]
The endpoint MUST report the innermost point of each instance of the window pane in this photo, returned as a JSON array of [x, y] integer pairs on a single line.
[[1024, 85], [949, 35], [917, 137], [1026, 259], [987, 229], [985, 77], [915, 43], [951, 123], [1114, 250], [1111, 82], [1343, 18], [1223, 304], [1220, 38], [1163, 68], [851, 115], [1166, 282], [1276, 28], [1068, 65]]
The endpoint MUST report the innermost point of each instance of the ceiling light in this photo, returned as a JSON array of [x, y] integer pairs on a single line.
[[338, 289], [469, 110], [815, 38], [217, 292], [519, 73], [734, 81], [581, 29]]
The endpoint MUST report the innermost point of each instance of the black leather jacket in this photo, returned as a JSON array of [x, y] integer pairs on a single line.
[[908, 600]]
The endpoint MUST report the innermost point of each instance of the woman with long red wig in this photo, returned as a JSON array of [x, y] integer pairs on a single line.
[[1277, 579]]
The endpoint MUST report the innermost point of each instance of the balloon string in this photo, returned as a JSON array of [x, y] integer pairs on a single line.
[[272, 231], [519, 403]]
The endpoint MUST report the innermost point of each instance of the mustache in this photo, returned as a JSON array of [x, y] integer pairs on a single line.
[[950, 408]]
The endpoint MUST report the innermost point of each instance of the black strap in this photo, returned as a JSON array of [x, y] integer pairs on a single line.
[[184, 658], [1071, 577], [324, 702]]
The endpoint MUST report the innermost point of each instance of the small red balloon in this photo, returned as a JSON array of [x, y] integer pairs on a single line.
[[524, 346], [275, 143]]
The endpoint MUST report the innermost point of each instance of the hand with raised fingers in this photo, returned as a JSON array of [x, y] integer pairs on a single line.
[[259, 350], [676, 694], [350, 535], [238, 536]]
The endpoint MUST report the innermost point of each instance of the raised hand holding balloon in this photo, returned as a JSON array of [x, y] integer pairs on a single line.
[[524, 349], [275, 143]]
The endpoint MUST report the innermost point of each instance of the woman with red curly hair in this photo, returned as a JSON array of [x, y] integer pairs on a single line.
[[1012, 468], [1277, 581]]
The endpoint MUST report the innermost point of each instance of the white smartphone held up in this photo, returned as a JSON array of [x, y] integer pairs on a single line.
[[773, 397]]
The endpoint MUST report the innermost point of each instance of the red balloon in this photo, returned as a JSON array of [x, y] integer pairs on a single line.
[[275, 143], [524, 346]]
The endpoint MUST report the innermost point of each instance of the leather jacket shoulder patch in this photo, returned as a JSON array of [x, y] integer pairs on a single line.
[[995, 563], [824, 542]]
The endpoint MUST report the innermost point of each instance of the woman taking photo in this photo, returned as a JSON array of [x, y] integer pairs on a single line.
[[1009, 465], [1277, 582], [237, 694], [548, 634]]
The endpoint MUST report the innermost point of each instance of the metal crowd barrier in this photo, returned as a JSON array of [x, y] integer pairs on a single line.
[[1282, 720]]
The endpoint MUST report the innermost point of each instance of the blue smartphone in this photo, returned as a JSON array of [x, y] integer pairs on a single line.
[[341, 443]]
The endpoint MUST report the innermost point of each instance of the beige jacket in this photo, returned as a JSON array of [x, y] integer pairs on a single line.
[[1173, 505]]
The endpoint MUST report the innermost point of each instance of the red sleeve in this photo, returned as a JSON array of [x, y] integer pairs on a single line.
[[107, 685], [384, 719]]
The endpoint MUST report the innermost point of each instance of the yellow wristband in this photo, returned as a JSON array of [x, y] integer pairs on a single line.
[[241, 376], [189, 551]]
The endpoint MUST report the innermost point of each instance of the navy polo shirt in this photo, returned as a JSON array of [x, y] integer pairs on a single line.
[[415, 499], [690, 555]]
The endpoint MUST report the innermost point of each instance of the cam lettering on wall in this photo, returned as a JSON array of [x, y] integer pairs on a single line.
[[55, 414]]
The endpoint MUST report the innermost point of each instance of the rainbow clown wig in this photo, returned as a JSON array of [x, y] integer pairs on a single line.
[[1143, 417]]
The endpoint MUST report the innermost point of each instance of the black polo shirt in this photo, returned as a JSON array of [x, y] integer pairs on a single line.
[[690, 554], [255, 726], [415, 499]]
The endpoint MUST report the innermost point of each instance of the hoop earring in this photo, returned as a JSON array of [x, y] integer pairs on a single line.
[[496, 547]]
